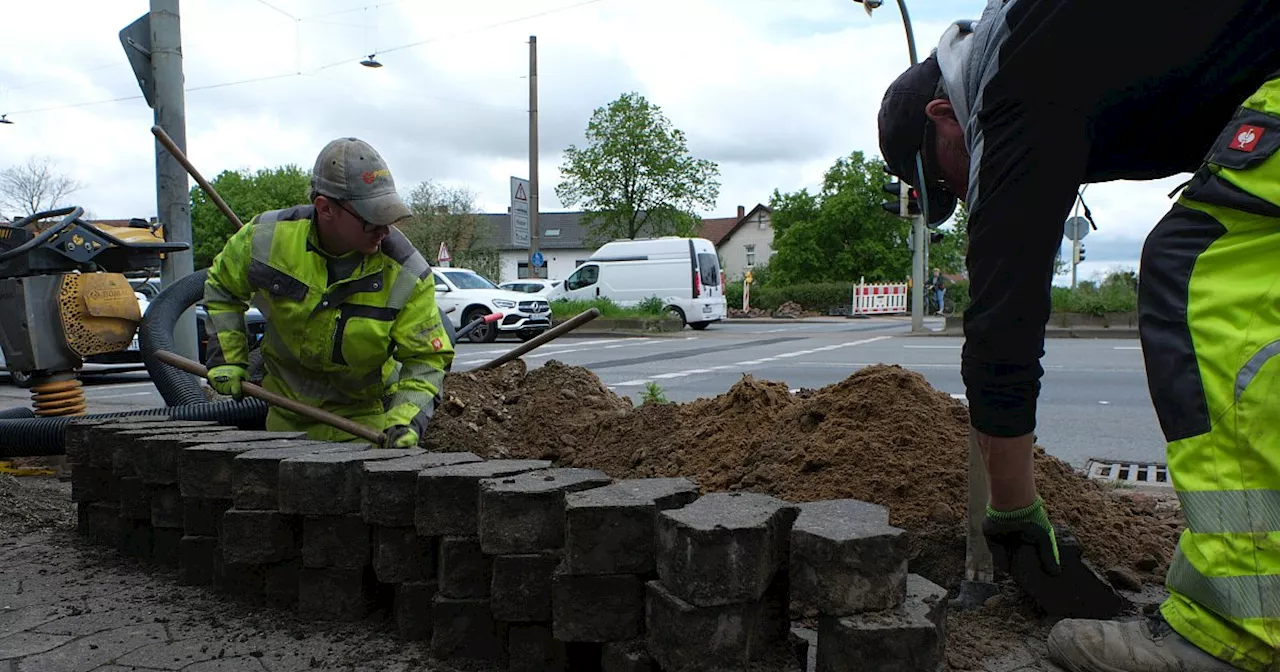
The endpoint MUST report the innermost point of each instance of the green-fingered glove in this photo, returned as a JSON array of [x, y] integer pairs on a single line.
[[400, 436], [228, 379], [1012, 533]]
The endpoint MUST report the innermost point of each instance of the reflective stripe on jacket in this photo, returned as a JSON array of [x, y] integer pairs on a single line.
[[365, 342]]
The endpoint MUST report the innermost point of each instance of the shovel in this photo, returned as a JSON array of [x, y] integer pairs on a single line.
[[257, 392]]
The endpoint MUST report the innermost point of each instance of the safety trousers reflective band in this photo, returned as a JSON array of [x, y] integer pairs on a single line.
[[1252, 596], [1231, 511]]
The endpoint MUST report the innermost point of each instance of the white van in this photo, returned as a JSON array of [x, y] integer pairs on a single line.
[[683, 272]]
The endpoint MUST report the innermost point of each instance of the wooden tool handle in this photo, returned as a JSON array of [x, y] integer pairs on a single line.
[[172, 146], [541, 339], [256, 391]]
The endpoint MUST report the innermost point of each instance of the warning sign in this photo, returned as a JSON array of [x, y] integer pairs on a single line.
[[520, 196], [443, 258], [519, 212]]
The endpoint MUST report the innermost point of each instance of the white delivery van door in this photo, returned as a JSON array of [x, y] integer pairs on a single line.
[[583, 284]]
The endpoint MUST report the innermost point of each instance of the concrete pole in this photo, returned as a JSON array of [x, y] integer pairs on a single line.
[[172, 196], [533, 155]]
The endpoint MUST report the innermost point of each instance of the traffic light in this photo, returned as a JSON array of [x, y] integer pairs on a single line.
[[894, 207], [1079, 254], [936, 237]]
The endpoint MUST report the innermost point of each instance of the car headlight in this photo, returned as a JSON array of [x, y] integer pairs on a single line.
[[503, 303]]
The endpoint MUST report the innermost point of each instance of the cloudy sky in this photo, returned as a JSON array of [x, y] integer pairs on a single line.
[[773, 91]]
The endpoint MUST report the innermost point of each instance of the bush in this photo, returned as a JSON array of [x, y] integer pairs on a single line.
[[651, 306], [817, 297], [959, 292], [563, 309]]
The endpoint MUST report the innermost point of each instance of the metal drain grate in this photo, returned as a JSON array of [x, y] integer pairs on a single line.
[[1149, 474]]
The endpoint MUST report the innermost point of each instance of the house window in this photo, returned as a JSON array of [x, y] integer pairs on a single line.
[[551, 233], [751, 255], [762, 223], [522, 269]]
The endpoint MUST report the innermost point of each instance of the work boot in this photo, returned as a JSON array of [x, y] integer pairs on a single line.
[[1149, 645]]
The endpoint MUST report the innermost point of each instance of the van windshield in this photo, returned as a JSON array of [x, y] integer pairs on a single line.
[[709, 269]]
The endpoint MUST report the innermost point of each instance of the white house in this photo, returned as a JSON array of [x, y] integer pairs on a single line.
[[562, 245], [743, 242]]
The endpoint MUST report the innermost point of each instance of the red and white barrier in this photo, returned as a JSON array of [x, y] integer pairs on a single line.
[[879, 299]]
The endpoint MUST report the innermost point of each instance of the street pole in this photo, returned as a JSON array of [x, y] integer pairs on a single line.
[[172, 196], [917, 222], [533, 154]]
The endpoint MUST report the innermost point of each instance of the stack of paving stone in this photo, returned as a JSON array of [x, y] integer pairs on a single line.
[[721, 594], [598, 591], [513, 562], [848, 567]]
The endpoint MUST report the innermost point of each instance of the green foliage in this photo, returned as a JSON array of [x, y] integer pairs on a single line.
[[635, 177], [651, 306], [959, 292], [840, 233], [448, 214], [949, 254], [653, 394], [816, 296], [248, 194], [1117, 293]]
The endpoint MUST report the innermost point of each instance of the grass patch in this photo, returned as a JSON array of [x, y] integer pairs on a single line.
[[651, 307]]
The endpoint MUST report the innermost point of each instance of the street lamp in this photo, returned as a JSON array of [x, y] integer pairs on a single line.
[[4, 119], [371, 62]]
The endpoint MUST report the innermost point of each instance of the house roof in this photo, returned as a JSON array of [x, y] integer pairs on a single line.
[[572, 234], [720, 229]]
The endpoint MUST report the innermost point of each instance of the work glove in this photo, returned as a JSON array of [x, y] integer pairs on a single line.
[[400, 436], [1013, 535], [227, 379]]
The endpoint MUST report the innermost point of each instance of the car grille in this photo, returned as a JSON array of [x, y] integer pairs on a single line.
[[535, 306]]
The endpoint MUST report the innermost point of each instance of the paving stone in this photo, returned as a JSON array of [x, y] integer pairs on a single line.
[[448, 498], [29, 643], [524, 513], [844, 563], [611, 530], [413, 605], [170, 655], [724, 548], [464, 629], [203, 517], [280, 583], [630, 656], [87, 653], [134, 498], [258, 537], [906, 639], [464, 571], [205, 466], [133, 538], [682, 636], [597, 608], [92, 484], [166, 505], [166, 545], [152, 452], [241, 580], [389, 486], [335, 541], [333, 594], [198, 560], [89, 440], [102, 520], [255, 474], [328, 484], [83, 518], [521, 587], [531, 648], [804, 646], [399, 555]]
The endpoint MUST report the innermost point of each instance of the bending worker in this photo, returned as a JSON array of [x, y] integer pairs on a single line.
[[352, 324], [1014, 112]]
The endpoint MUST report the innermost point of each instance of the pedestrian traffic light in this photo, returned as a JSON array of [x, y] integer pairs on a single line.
[[894, 207]]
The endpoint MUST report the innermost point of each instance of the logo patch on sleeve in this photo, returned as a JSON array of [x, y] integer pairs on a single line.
[[1246, 138], [437, 343]]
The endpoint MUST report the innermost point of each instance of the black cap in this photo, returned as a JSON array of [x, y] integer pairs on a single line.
[[902, 128]]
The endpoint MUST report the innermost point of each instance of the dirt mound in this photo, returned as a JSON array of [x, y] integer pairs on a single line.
[[882, 435]]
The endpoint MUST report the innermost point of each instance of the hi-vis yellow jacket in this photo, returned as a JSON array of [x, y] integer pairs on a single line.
[[359, 336]]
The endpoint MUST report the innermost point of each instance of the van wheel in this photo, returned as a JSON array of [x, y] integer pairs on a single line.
[[676, 313], [699, 326], [485, 333]]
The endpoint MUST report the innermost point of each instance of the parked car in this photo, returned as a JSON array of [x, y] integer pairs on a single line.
[[683, 272], [149, 288], [473, 296], [530, 285]]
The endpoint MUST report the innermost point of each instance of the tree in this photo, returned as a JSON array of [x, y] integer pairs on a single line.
[[949, 253], [443, 214], [841, 233], [34, 187], [247, 194], [635, 176]]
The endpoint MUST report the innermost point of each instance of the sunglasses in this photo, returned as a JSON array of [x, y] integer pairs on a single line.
[[368, 228]]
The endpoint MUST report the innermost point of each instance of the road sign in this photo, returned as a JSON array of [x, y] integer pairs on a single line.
[[537, 259], [1076, 228], [443, 258], [519, 212]]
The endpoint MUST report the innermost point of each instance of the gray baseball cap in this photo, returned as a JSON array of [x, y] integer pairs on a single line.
[[350, 170]]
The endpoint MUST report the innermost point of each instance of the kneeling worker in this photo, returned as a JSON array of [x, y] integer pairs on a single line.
[[352, 324]]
